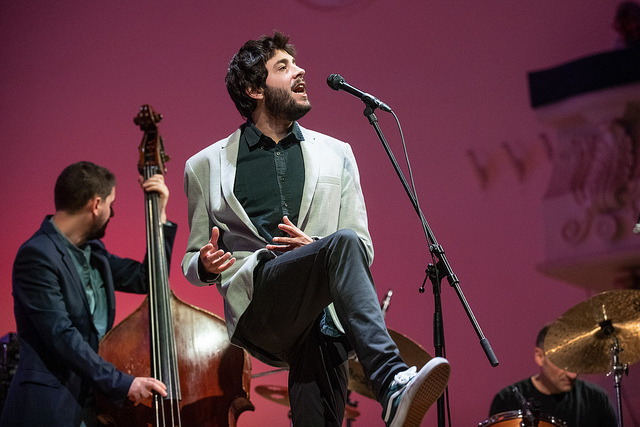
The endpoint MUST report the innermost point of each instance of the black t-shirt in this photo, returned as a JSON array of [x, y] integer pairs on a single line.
[[586, 405]]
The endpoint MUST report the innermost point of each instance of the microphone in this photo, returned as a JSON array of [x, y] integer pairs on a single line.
[[336, 82], [526, 407]]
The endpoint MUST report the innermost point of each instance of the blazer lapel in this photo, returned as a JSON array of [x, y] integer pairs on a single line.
[[65, 257], [228, 166], [311, 174]]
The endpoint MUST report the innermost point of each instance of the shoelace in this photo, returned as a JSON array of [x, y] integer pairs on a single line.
[[402, 378]]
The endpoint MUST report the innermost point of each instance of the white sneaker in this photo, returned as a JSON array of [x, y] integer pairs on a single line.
[[412, 393]]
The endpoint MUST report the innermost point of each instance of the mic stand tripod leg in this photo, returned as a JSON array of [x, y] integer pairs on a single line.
[[438, 330]]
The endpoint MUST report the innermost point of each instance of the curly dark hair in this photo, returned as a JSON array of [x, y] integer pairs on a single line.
[[80, 182], [247, 69]]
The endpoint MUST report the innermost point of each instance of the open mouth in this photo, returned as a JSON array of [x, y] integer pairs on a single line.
[[300, 88]]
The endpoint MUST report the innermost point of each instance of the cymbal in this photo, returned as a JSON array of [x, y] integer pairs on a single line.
[[580, 340], [412, 353], [274, 393], [280, 395]]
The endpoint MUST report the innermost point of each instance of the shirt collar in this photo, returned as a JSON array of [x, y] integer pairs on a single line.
[[255, 138], [84, 251]]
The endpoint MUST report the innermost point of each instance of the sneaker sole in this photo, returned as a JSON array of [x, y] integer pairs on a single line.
[[421, 398]]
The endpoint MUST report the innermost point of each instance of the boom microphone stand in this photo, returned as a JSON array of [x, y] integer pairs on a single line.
[[436, 271]]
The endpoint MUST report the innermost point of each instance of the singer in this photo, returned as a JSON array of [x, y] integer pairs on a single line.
[[278, 223]]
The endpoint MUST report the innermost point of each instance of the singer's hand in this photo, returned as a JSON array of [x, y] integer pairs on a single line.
[[215, 260], [296, 239]]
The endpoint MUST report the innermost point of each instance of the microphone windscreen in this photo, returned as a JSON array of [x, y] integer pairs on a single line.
[[335, 81]]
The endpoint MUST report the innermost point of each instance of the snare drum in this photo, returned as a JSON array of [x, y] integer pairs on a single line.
[[515, 419]]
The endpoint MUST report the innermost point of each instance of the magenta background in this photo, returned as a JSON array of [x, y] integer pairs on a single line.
[[74, 74]]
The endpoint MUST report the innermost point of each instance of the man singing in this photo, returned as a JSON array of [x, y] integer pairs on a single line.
[[278, 222]]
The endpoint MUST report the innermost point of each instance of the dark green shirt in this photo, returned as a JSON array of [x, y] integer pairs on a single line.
[[269, 178]]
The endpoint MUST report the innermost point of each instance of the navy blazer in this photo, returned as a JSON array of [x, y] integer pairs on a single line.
[[59, 361]]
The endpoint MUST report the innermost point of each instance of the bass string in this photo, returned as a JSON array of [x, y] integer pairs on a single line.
[[164, 363]]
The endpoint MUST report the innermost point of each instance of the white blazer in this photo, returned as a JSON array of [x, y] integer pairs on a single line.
[[331, 200]]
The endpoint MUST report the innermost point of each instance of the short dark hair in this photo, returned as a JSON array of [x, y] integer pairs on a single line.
[[80, 182], [542, 335], [247, 69]]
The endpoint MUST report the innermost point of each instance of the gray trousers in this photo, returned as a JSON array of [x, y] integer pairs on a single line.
[[290, 294]]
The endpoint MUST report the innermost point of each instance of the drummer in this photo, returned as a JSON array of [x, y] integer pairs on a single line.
[[559, 394]]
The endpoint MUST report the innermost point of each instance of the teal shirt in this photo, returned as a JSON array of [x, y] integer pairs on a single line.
[[91, 281]]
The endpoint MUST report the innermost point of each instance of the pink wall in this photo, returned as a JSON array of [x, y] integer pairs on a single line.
[[75, 73]]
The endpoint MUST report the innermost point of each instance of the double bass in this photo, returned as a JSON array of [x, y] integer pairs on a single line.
[[185, 347]]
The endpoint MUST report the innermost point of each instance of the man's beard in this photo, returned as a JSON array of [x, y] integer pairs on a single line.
[[282, 105], [98, 232]]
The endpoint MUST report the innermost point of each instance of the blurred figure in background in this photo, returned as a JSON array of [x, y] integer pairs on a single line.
[[557, 393], [627, 24]]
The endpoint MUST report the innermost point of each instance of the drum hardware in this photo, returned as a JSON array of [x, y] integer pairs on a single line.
[[517, 419], [617, 369], [9, 357], [528, 419], [264, 374], [385, 303], [598, 335]]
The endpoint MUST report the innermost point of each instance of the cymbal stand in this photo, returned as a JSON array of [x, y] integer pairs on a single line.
[[527, 415], [617, 369]]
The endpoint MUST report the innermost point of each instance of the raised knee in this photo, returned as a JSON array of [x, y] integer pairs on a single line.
[[349, 240], [348, 236]]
